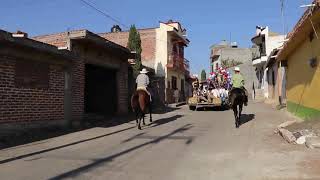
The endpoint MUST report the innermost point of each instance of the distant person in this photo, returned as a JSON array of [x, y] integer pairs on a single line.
[[176, 95], [238, 82], [143, 81]]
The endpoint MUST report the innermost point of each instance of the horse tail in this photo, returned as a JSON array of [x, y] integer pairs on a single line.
[[135, 102], [143, 101]]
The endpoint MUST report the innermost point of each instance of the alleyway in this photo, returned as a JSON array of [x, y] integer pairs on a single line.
[[181, 144]]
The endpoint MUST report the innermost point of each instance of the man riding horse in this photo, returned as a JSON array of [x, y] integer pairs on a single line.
[[238, 96], [141, 98], [143, 81], [238, 82]]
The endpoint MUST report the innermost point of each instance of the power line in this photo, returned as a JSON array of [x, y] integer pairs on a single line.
[[103, 13]]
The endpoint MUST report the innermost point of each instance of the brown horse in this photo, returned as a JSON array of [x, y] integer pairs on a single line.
[[141, 104]]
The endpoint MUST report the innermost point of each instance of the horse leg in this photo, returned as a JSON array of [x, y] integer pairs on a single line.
[[144, 123], [235, 112], [150, 111], [239, 116], [137, 118], [139, 123]]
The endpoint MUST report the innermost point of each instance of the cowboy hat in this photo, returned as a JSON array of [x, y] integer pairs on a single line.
[[237, 69], [144, 71]]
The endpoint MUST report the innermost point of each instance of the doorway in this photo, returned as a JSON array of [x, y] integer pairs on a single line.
[[100, 90]]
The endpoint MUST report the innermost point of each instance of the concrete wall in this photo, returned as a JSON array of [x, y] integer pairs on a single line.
[[303, 82], [243, 55], [237, 54], [162, 43], [248, 72]]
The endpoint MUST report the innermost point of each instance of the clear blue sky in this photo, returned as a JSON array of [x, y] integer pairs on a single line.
[[207, 21]]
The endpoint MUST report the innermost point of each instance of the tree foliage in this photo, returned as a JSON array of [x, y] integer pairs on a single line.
[[134, 44], [203, 75]]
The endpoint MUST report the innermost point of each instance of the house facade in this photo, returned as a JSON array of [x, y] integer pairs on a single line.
[[225, 53], [266, 41], [275, 77], [300, 56], [99, 75], [60, 79], [163, 51], [33, 83]]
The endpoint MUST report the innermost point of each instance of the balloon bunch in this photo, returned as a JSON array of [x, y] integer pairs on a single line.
[[222, 77]]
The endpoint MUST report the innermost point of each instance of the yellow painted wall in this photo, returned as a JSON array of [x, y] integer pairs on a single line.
[[303, 82]]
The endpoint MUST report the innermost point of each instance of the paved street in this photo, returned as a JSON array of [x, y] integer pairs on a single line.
[[179, 145]]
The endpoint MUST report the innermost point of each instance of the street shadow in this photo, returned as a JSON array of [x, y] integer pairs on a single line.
[[218, 108], [188, 139], [110, 121], [99, 162], [163, 110], [9, 139], [62, 146], [165, 120], [246, 118]]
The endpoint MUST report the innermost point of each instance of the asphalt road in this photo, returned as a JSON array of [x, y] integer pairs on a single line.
[[179, 145]]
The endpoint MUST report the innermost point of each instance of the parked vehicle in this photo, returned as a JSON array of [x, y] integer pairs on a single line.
[[204, 96]]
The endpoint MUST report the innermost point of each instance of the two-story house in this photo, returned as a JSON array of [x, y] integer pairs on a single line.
[[163, 51], [266, 41]]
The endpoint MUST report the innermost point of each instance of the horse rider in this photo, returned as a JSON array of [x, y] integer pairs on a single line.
[[238, 82], [143, 81]]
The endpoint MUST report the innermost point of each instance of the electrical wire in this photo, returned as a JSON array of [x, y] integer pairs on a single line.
[[103, 13]]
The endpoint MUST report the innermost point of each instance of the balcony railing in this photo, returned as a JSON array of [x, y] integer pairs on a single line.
[[178, 63]]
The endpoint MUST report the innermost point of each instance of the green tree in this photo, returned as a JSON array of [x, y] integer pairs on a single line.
[[203, 75], [134, 44]]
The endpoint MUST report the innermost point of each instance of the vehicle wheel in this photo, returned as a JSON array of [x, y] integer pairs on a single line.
[[192, 108]]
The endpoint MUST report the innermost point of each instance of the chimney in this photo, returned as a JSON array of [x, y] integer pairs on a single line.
[[20, 34]]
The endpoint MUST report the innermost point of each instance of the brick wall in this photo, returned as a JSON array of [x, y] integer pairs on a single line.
[[93, 55], [77, 89], [122, 79], [28, 104], [102, 58], [148, 43]]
